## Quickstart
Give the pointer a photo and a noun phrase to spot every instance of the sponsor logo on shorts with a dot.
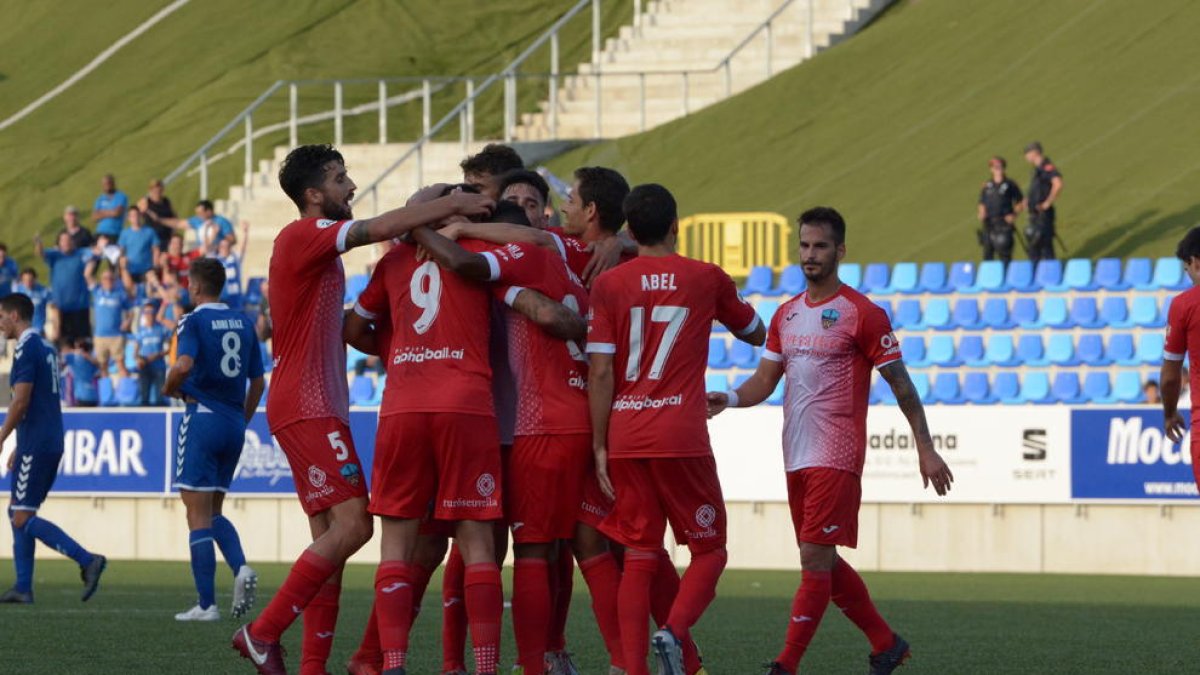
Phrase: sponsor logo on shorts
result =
(593, 509)
(316, 477)
(469, 503)
(486, 485)
(646, 403)
(706, 515)
(351, 473)
(423, 354)
(323, 492)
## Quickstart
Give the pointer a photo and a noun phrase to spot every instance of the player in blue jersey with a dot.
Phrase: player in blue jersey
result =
(36, 415)
(217, 352)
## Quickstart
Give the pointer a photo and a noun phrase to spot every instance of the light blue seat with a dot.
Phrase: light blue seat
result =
(962, 276)
(1114, 311)
(1143, 313)
(108, 395)
(739, 380)
(377, 399)
(254, 294)
(718, 353)
(1049, 275)
(766, 310)
(1035, 388)
(1006, 387)
(1090, 350)
(355, 285)
(937, 314)
(743, 355)
(946, 389)
(268, 360)
(1025, 312)
(966, 314)
(912, 347)
(1066, 388)
(995, 314)
(362, 389)
(876, 278)
(970, 350)
(130, 357)
(921, 384)
(1000, 350)
(1120, 349)
(1078, 275)
(760, 281)
(990, 278)
(1084, 312)
(1150, 349)
(882, 393)
(1128, 387)
(1030, 350)
(1139, 274)
(850, 274)
(1060, 351)
(776, 397)
(904, 278)
(1108, 276)
(933, 278)
(942, 352)
(1097, 388)
(886, 306)
(1019, 277)
(717, 382)
(1168, 274)
(908, 314)
(975, 388)
(1054, 313)
(127, 392)
(792, 280)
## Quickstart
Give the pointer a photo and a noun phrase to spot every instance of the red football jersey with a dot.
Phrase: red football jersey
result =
(307, 288)
(1183, 338)
(576, 252)
(655, 315)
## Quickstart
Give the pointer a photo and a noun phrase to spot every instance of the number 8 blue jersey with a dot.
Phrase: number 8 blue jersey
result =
(225, 353)
(35, 362)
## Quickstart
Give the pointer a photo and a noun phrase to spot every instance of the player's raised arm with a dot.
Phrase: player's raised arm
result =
(400, 221)
(933, 467)
(450, 255)
(553, 317)
(502, 233)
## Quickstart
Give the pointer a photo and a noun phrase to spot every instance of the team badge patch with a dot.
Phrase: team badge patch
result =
(316, 476)
(829, 317)
(351, 473)
(705, 516)
(486, 485)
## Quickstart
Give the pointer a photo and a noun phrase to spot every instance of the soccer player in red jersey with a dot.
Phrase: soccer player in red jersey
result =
(648, 341)
(826, 340)
(307, 408)
(1183, 338)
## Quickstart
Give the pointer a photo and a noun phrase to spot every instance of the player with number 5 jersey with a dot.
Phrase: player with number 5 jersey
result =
(648, 344)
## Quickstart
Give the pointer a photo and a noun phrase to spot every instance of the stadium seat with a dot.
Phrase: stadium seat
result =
(941, 351)
(108, 396)
(850, 274)
(1060, 350)
(760, 281)
(1066, 388)
(881, 392)
(355, 285)
(912, 347)
(1120, 349)
(1025, 312)
(127, 392)
(1030, 351)
(1006, 388)
(377, 398)
(362, 390)
(716, 382)
(766, 310)
(990, 278)
(966, 314)
(130, 357)
(921, 384)
(792, 280)
(1000, 350)
(946, 389)
(1054, 313)
(268, 360)
(886, 306)
(353, 357)
(962, 277)
(975, 388)
(1143, 313)
(937, 314)
(1078, 275)
(970, 350)
(904, 278)
(1097, 388)
(1150, 349)
(1048, 275)
(1035, 388)
(1128, 387)
(743, 355)
(1168, 274)
(739, 380)
(995, 314)
(776, 397)
(1108, 275)
(1115, 312)
(1139, 274)
(1084, 312)
(933, 278)
(1019, 277)
(908, 315)
(718, 353)
(254, 294)
(1090, 350)
(875, 279)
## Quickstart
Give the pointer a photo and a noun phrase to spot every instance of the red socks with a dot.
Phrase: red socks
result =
(664, 590)
(485, 606)
(369, 650)
(454, 614)
(420, 585)
(394, 586)
(697, 589)
(851, 596)
(564, 574)
(603, 580)
(633, 608)
(807, 609)
(320, 620)
(303, 583)
(531, 608)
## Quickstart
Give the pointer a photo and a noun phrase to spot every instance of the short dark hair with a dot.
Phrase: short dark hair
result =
(206, 276)
(304, 168)
(19, 303)
(205, 204)
(508, 212)
(823, 215)
(607, 189)
(495, 159)
(29, 270)
(4, 247)
(650, 210)
(462, 187)
(998, 158)
(526, 177)
(1189, 246)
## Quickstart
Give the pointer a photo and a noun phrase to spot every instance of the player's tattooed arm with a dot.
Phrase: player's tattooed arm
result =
(453, 257)
(553, 317)
(397, 222)
(933, 467)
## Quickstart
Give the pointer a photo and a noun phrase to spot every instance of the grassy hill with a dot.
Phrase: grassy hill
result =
(895, 127)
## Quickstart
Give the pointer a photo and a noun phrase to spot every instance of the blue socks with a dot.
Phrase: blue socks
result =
(204, 566)
(23, 546)
(55, 538)
(227, 539)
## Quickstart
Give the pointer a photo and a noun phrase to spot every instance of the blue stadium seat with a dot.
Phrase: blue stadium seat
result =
(875, 279)
(1120, 349)
(904, 278)
(766, 310)
(1054, 313)
(127, 392)
(1025, 312)
(1128, 387)
(1006, 387)
(718, 353)
(1143, 313)
(743, 355)
(739, 380)
(990, 278)
(1060, 351)
(908, 315)
(850, 274)
(966, 314)
(881, 392)
(355, 285)
(1168, 274)
(792, 281)
(1139, 274)
(1000, 350)
(1084, 312)
(970, 350)
(1108, 276)
(1166, 308)
(912, 347)
(1030, 350)
(995, 314)
(130, 356)
(254, 294)
(760, 281)
(937, 314)
(268, 360)
(1150, 349)
(886, 306)
(946, 389)
(975, 388)
(942, 352)
(921, 384)
(108, 396)
(1066, 388)
(1115, 312)
(353, 357)
(1090, 350)
(377, 398)
(1048, 275)
(716, 382)
(776, 397)
(362, 390)
(962, 276)
(1097, 388)
(1035, 388)
(1019, 277)
(1078, 275)
(933, 278)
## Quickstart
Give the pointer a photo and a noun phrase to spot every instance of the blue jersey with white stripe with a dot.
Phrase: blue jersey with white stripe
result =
(225, 354)
(35, 362)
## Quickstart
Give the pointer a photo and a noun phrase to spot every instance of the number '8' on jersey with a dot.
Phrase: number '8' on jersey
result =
(225, 354)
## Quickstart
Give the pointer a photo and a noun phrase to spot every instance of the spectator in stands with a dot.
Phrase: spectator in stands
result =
(68, 285)
(176, 259)
(85, 374)
(79, 234)
(262, 324)
(483, 171)
(209, 228)
(39, 294)
(1150, 391)
(139, 246)
(1000, 201)
(159, 213)
(232, 261)
(151, 344)
(529, 191)
(9, 272)
(171, 299)
(109, 210)
(110, 302)
(106, 250)
(1044, 188)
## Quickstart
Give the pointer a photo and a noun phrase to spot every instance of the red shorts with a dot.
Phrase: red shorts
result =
(595, 506)
(325, 467)
(651, 492)
(444, 466)
(824, 506)
(543, 480)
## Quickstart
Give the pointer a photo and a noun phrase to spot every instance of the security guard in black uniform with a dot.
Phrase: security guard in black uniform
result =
(1000, 201)
(1044, 188)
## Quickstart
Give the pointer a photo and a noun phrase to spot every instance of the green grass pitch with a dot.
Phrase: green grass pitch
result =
(957, 623)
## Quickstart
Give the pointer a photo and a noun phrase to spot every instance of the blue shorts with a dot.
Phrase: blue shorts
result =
(207, 449)
(32, 477)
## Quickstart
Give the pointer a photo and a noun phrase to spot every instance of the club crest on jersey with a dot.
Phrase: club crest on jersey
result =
(486, 485)
(316, 477)
(351, 473)
(829, 317)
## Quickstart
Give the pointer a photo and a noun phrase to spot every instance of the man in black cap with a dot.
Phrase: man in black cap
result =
(1044, 188)
(999, 202)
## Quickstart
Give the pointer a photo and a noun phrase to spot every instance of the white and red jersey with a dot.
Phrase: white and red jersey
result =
(828, 350)
(308, 285)
(654, 314)
(1183, 338)
(576, 251)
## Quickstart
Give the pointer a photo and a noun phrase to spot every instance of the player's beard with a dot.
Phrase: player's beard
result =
(335, 210)
(823, 271)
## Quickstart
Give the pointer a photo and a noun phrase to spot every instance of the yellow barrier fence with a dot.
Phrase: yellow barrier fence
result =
(738, 242)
